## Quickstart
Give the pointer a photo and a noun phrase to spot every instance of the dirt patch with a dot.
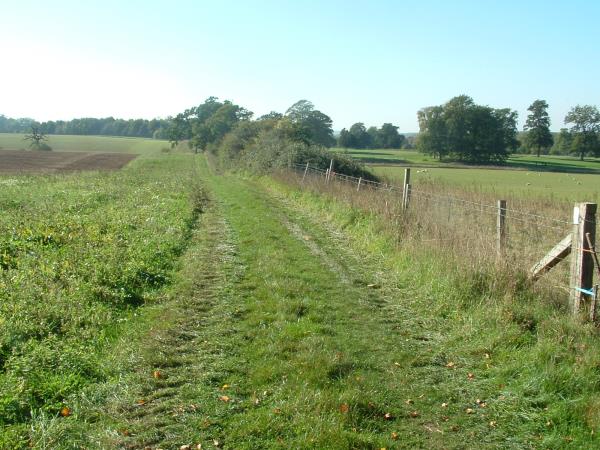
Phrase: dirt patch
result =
(12, 161)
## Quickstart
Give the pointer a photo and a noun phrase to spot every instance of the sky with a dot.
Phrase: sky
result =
(373, 62)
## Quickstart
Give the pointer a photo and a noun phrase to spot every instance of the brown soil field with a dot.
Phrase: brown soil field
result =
(49, 162)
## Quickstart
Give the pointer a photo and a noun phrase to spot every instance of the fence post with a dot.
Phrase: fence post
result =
(305, 171)
(358, 187)
(582, 263)
(329, 170)
(406, 197)
(501, 228)
(406, 189)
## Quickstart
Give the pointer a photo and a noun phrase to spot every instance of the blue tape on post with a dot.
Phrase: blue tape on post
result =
(585, 291)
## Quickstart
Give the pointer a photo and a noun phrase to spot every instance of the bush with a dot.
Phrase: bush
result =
(262, 148)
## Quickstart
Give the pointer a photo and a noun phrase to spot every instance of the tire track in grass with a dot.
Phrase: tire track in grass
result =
(165, 413)
(164, 402)
(278, 341)
(318, 357)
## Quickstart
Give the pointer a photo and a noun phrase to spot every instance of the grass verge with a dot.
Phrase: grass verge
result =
(79, 254)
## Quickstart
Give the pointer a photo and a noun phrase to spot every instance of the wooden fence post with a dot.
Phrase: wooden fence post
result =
(501, 228)
(406, 189)
(329, 170)
(406, 197)
(582, 263)
(305, 171)
(358, 187)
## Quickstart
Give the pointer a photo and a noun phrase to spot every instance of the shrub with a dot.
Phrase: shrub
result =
(262, 148)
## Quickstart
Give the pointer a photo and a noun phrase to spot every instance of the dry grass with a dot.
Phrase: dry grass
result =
(460, 226)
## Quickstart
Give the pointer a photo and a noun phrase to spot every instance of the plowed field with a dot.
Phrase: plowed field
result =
(32, 161)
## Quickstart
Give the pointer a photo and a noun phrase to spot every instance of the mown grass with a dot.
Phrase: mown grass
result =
(67, 143)
(79, 254)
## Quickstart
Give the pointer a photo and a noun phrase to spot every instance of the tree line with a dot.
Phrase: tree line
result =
(458, 130)
(109, 126)
(229, 132)
(358, 136)
(464, 131)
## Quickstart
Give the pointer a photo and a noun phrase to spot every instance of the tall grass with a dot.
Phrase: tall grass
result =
(459, 226)
(79, 253)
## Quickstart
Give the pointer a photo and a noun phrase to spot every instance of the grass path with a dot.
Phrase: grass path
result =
(278, 336)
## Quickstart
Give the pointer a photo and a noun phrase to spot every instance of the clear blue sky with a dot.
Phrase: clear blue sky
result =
(375, 62)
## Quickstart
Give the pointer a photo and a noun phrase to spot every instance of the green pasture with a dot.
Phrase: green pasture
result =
(553, 163)
(504, 183)
(60, 143)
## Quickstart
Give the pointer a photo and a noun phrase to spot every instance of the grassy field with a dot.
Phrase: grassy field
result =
(170, 304)
(79, 254)
(569, 187)
(526, 162)
(524, 176)
(9, 141)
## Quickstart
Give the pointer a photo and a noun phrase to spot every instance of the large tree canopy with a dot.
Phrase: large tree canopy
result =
(207, 123)
(309, 124)
(585, 130)
(467, 132)
(538, 137)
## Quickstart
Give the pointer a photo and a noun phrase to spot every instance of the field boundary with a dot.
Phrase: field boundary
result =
(579, 241)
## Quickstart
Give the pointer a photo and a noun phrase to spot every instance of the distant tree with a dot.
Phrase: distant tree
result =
(466, 131)
(374, 137)
(309, 124)
(344, 139)
(359, 136)
(433, 136)
(563, 142)
(585, 129)
(389, 137)
(37, 139)
(180, 128)
(538, 137)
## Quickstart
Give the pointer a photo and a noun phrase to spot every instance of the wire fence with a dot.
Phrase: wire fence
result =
(465, 224)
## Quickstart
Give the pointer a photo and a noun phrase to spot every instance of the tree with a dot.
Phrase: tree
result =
(537, 126)
(585, 129)
(309, 124)
(344, 139)
(389, 137)
(563, 143)
(432, 139)
(273, 115)
(467, 132)
(374, 137)
(359, 137)
(37, 138)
